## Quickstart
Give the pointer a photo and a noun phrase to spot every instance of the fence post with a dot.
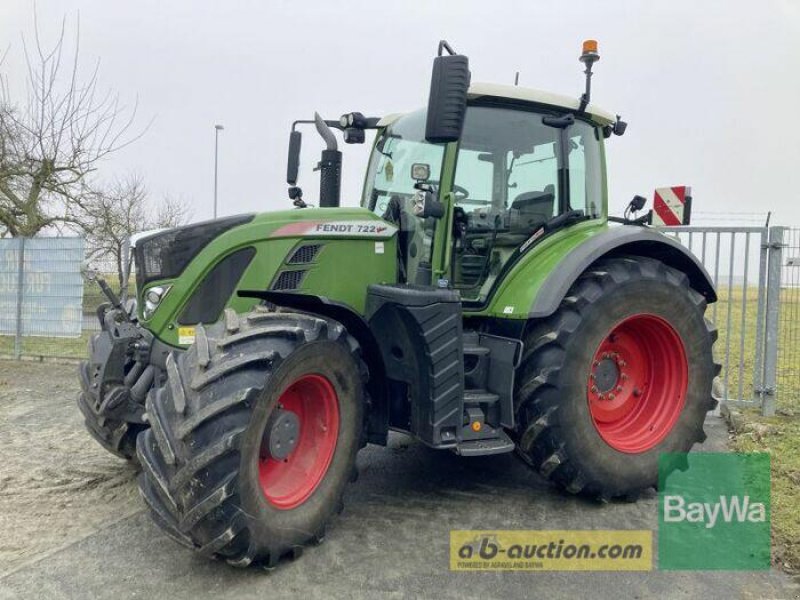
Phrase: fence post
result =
(758, 367)
(769, 389)
(20, 298)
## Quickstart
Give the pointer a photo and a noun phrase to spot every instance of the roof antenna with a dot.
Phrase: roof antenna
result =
(588, 56)
(516, 78)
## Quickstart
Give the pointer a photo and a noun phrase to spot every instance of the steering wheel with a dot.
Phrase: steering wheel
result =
(461, 193)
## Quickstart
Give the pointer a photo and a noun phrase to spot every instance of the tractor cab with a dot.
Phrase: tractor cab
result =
(476, 179)
(521, 162)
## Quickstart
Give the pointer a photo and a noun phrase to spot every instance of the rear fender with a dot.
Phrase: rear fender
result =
(616, 241)
(537, 284)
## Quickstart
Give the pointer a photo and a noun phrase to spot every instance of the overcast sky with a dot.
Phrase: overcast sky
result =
(709, 88)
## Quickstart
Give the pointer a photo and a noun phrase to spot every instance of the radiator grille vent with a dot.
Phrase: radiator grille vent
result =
(289, 280)
(304, 254)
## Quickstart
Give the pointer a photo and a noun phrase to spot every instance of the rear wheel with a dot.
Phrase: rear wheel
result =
(621, 373)
(255, 435)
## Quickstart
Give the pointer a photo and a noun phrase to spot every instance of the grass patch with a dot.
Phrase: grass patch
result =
(47, 347)
(93, 296)
(780, 437)
(736, 315)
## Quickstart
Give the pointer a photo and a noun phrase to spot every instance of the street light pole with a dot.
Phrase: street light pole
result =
(217, 129)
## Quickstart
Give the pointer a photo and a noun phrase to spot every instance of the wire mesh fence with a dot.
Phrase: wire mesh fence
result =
(736, 260)
(47, 309)
(756, 314)
(789, 322)
(41, 295)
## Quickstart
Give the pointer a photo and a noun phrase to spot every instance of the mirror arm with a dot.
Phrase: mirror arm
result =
(443, 45)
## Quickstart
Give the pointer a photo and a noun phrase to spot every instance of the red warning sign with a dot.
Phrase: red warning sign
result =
(672, 205)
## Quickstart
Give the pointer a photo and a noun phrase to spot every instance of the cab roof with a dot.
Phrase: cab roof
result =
(513, 92)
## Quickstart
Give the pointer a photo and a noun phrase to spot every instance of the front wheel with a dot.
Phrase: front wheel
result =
(255, 435)
(621, 373)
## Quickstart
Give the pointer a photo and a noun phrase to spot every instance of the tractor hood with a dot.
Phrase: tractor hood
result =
(165, 253)
(196, 270)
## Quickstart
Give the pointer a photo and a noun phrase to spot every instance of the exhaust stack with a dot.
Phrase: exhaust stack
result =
(330, 166)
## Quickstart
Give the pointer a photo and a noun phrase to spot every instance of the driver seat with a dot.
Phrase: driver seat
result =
(528, 211)
(531, 209)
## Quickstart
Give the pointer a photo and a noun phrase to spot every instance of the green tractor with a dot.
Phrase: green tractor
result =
(480, 300)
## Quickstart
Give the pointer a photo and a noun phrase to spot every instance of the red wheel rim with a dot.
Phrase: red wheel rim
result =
(637, 384)
(290, 481)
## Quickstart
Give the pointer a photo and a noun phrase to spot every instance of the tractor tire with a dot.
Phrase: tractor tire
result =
(254, 437)
(619, 374)
(118, 437)
(115, 435)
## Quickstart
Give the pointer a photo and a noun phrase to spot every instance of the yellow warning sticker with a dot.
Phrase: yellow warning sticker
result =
(186, 335)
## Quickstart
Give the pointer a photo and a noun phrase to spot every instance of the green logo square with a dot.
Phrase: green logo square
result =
(714, 511)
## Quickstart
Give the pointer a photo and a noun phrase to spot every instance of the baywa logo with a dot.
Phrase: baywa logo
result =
(714, 511)
(729, 508)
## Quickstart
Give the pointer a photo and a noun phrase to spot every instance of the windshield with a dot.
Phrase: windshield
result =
(389, 190)
(401, 145)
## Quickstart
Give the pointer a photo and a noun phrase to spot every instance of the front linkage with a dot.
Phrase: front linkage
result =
(125, 362)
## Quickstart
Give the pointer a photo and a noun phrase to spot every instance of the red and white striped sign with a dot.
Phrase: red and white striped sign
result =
(672, 205)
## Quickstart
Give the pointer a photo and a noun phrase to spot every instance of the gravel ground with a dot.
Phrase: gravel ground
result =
(73, 526)
(57, 485)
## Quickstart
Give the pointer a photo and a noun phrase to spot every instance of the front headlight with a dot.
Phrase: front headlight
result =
(153, 298)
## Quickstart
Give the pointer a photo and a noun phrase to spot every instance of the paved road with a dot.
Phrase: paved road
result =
(390, 542)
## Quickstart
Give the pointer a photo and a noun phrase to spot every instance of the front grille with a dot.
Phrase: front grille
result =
(166, 255)
(304, 254)
(289, 280)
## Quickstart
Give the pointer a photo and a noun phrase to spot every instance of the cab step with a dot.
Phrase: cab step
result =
(497, 445)
(475, 397)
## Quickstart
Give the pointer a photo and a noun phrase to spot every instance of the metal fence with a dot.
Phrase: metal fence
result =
(47, 310)
(747, 266)
(789, 322)
(41, 294)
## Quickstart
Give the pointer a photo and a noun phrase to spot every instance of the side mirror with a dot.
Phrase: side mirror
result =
(447, 102)
(426, 205)
(620, 126)
(617, 128)
(294, 157)
(354, 136)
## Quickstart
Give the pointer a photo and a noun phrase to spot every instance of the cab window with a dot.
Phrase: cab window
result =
(585, 174)
(514, 174)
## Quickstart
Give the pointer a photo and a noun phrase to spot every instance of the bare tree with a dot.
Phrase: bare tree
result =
(171, 212)
(54, 139)
(112, 215)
